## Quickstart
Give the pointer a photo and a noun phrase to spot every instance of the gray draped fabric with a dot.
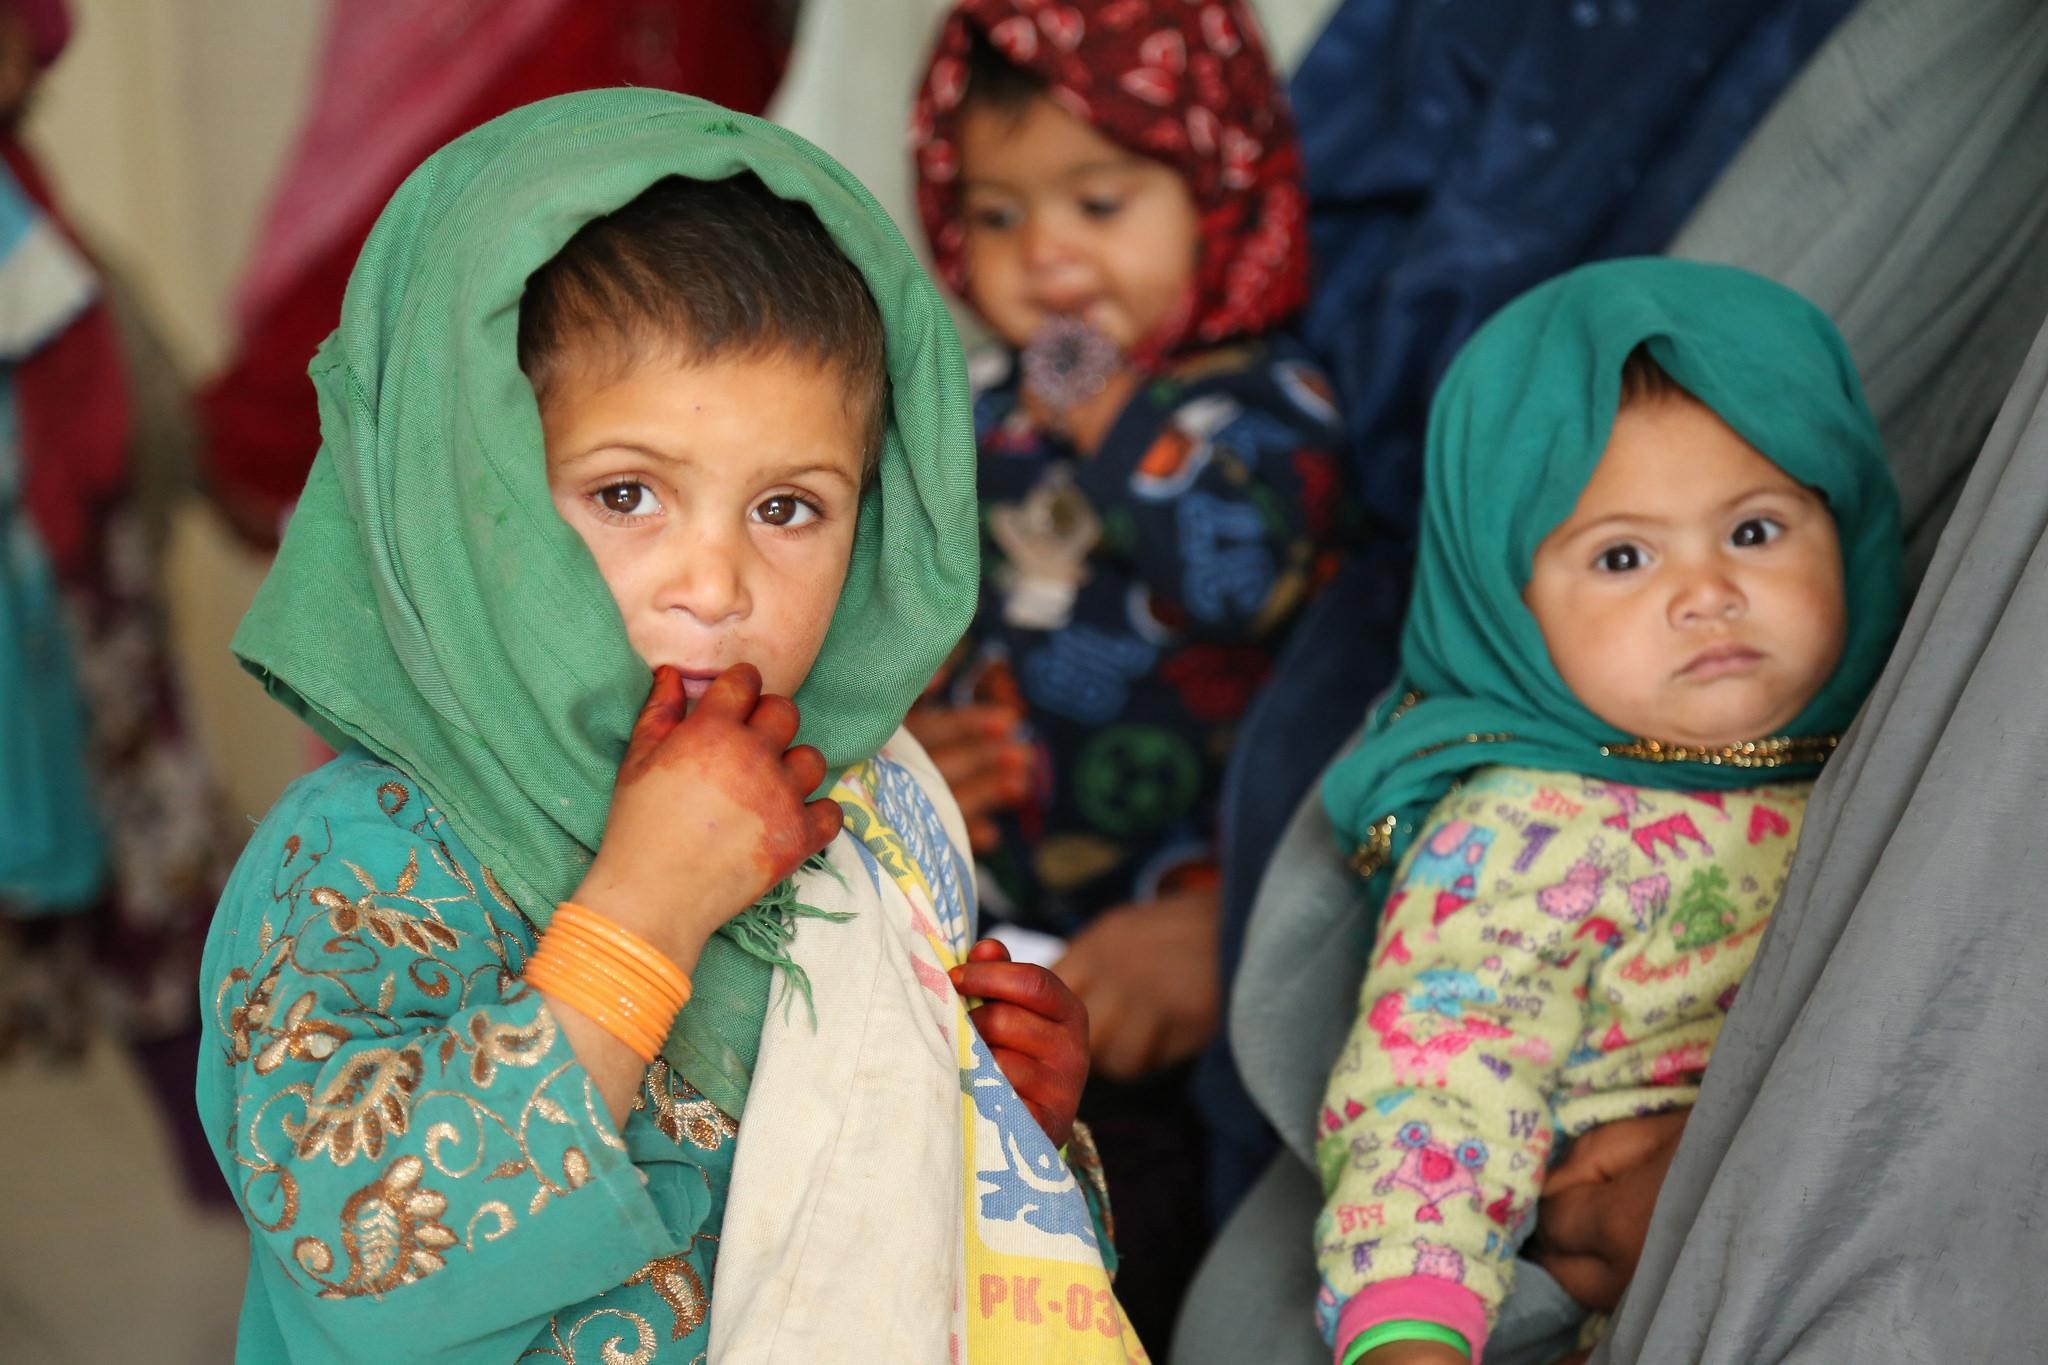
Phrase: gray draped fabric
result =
(1305, 956)
(1866, 1175)
(1901, 183)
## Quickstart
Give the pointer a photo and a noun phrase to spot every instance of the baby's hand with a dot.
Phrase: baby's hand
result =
(709, 812)
(1035, 1027)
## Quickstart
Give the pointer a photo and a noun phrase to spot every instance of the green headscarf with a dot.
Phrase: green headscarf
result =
(1515, 430)
(430, 604)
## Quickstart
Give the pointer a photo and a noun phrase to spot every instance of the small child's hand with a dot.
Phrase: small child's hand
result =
(709, 811)
(1035, 1027)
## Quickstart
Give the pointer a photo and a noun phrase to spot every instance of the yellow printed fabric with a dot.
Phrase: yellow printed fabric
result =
(894, 1199)
(1556, 952)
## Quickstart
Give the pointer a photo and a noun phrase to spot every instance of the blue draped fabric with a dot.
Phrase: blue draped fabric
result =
(1459, 152)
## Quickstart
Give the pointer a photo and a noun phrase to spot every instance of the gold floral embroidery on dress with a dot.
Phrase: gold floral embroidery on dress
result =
(680, 1287)
(562, 1346)
(681, 1112)
(368, 1102)
(337, 991)
(391, 1233)
(673, 1278)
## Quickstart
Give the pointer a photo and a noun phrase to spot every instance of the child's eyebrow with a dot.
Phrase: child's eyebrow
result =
(788, 473)
(1616, 520)
(791, 473)
(597, 448)
(1782, 489)
(1101, 166)
(1088, 168)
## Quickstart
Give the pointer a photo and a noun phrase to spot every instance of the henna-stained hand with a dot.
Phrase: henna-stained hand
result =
(1035, 1027)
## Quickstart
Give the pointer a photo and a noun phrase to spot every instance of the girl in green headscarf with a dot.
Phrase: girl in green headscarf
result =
(623, 379)
(1659, 571)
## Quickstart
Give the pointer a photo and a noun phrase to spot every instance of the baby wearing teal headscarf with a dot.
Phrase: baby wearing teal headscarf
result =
(1658, 574)
(625, 379)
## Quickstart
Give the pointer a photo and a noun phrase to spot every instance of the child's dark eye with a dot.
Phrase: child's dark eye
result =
(1100, 207)
(629, 499)
(785, 510)
(1619, 559)
(991, 218)
(1756, 531)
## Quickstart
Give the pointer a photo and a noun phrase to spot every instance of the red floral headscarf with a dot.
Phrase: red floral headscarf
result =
(1186, 82)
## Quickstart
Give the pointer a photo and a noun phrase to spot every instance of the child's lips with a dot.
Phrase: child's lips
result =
(1090, 309)
(697, 681)
(1721, 661)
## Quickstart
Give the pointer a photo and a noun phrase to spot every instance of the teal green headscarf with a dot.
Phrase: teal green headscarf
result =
(1514, 433)
(429, 603)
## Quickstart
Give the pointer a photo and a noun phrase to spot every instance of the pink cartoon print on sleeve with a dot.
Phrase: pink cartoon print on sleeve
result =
(1439, 1262)
(1421, 1031)
(1435, 1171)
(1572, 899)
(1448, 862)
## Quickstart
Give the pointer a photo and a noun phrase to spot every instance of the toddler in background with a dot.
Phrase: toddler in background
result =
(1114, 186)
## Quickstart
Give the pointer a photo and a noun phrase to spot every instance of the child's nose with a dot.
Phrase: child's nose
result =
(707, 581)
(1046, 245)
(1707, 594)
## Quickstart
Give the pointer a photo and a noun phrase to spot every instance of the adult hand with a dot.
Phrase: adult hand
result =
(1149, 977)
(1036, 1029)
(1596, 1205)
(977, 751)
(709, 811)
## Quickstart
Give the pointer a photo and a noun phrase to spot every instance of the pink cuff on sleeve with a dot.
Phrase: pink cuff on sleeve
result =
(1423, 1298)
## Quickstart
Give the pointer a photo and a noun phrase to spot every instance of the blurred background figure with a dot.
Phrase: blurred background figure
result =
(116, 842)
(120, 853)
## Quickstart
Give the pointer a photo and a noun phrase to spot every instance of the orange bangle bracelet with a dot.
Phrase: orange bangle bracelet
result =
(622, 975)
(630, 988)
(575, 936)
(655, 1016)
(646, 1018)
(620, 1013)
(590, 999)
(607, 938)
(588, 924)
(635, 1038)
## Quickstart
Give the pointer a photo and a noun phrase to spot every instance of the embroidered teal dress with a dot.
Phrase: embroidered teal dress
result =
(394, 1106)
